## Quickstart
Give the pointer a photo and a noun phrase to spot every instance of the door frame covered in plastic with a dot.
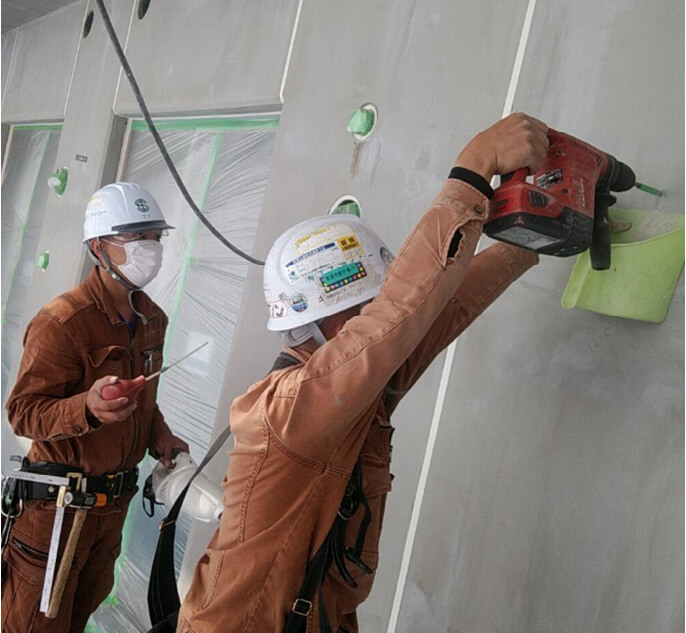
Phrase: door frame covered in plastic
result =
(28, 162)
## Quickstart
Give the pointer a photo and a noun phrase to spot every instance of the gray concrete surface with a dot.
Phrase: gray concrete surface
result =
(208, 56)
(554, 495)
(37, 68)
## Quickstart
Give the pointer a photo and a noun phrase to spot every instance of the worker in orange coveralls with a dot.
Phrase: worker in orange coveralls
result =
(103, 329)
(297, 546)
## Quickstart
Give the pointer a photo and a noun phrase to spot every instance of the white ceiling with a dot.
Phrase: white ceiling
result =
(18, 12)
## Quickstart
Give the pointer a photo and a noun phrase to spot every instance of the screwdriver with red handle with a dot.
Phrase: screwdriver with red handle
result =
(131, 388)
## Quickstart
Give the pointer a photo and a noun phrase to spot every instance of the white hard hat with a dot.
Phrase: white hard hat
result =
(320, 267)
(122, 207)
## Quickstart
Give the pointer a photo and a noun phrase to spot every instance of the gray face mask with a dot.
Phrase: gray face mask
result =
(143, 261)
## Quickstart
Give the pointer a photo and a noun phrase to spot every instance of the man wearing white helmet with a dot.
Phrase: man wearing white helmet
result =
(297, 545)
(102, 330)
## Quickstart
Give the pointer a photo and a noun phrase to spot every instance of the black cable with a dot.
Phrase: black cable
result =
(158, 139)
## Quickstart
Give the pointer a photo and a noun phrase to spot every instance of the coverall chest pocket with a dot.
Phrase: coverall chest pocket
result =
(152, 362)
(111, 360)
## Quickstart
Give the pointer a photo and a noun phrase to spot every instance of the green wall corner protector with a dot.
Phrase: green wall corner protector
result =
(646, 264)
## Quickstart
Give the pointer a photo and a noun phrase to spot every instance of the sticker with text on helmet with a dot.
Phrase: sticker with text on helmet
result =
(322, 266)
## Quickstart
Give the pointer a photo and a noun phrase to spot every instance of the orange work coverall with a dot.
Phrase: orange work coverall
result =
(299, 431)
(73, 341)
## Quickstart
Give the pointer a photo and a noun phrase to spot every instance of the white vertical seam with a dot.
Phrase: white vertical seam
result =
(73, 66)
(445, 375)
(519, 57)
(290, 51)
(121, 73)
(421, 486)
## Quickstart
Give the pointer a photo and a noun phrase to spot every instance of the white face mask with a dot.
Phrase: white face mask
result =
(143, 261)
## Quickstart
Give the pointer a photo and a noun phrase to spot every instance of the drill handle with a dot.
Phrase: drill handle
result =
(520, 175)
(601, 242)
(618, 177)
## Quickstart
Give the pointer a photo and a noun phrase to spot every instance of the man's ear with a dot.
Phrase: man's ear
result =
(96, 249)
(94, 245)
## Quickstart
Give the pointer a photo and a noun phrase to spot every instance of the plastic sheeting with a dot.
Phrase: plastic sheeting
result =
(30, 161)
(200, 286)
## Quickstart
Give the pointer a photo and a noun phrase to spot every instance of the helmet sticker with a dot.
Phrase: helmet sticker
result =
(349, 243)
(278, 310)
(321, 266)
(324, 251)
(386, 256)
(303, 265)
(342, 276)
(326, 235)
(299, 302)
(142, 205)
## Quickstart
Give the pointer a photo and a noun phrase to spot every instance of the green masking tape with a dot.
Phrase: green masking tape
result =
(175, 125)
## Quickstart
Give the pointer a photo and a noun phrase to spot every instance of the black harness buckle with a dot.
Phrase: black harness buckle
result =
(302, 607)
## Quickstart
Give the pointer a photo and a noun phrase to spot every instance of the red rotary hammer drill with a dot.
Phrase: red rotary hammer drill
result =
(565, 210)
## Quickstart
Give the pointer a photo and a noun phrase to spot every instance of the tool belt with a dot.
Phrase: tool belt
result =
(56, 482)
(111, 485)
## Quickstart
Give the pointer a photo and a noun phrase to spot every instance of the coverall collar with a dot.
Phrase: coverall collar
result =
(299, 353)
(104, 303)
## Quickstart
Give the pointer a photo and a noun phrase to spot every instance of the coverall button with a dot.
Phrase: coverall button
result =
(78, 429)
(479, 209)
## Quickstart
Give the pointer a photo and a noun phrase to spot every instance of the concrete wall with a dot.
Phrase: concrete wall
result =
(539, 474)
(561, 492)
(37, 65)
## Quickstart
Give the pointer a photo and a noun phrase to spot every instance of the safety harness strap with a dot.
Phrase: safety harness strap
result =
(163, 595)
(302, 605)
(332, 550)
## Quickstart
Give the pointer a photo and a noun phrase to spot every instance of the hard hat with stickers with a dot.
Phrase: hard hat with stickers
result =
(320, 267)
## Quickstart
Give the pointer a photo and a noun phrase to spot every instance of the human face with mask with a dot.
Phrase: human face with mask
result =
(122, 227)
(137, 256)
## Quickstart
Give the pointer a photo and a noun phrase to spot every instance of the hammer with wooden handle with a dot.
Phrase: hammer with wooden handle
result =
(82, 501)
